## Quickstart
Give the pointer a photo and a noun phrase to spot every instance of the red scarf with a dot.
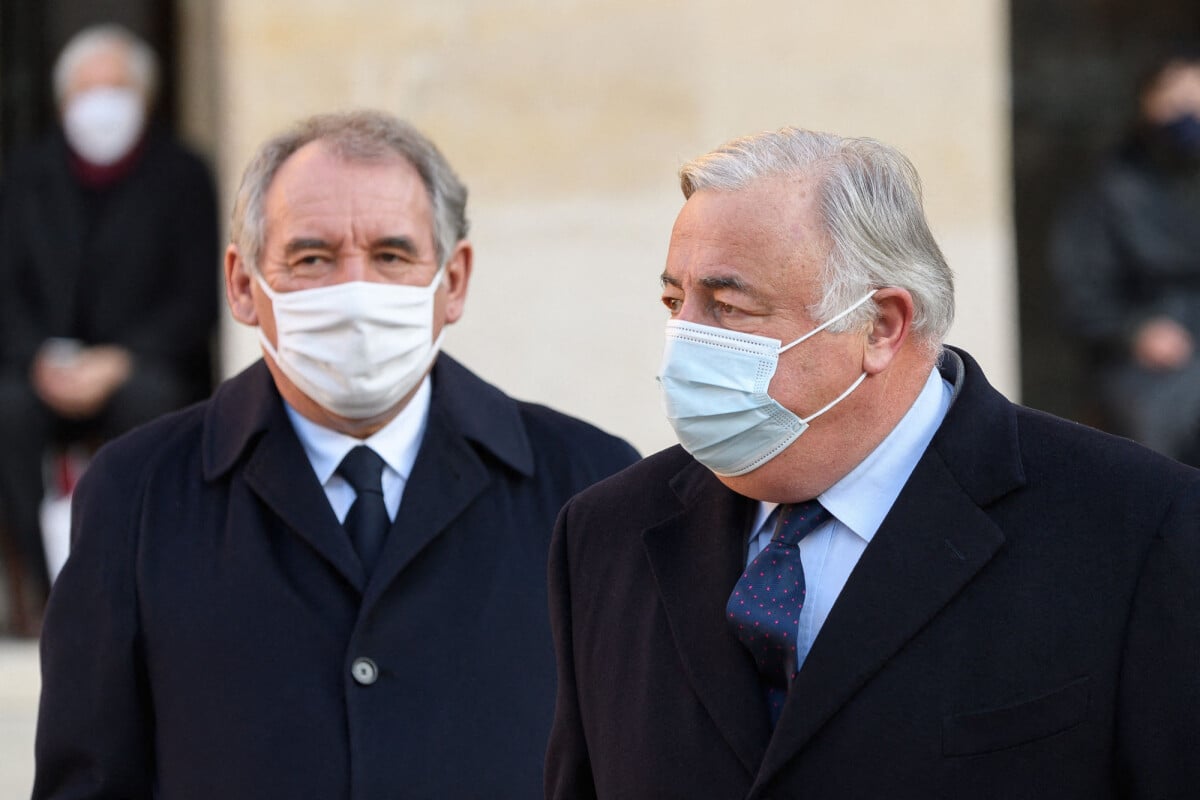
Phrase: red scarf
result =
(102, 176)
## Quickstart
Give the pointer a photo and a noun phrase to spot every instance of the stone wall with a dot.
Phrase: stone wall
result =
(569, 120)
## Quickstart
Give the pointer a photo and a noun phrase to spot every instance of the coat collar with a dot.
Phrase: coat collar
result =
(246, 425)
(482, 414)
(248, 405)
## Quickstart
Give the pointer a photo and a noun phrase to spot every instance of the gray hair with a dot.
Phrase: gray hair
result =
(143, 63)
(869, 196)
(356, 136)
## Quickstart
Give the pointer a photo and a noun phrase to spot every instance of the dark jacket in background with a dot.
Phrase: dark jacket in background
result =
(133, 263)
(1126, 249)
(136, 264)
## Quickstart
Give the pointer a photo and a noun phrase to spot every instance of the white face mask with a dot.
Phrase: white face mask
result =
(714, 383)
(102, 125)
(356, 348)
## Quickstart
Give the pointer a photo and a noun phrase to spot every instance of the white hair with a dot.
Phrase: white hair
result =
(143, 63)
(355, 136)
(869, 196)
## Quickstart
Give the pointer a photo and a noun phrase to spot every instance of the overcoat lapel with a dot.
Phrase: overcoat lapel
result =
(934, 540)
(447, 475)
(696, 558)
(471, 427)
(246, 421)
(924, 553)
(279, 472)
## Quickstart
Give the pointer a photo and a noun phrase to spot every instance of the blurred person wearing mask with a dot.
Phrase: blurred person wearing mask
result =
(1125, 252)
(329, 580)
(109, 263)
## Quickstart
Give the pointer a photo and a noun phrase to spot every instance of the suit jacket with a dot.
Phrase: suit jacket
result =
(204, 638)
(135, 264)
(1024, 624)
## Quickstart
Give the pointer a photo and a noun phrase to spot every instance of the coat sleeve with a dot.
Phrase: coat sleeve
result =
(95, 731)
(568, 767)
(1159, 702)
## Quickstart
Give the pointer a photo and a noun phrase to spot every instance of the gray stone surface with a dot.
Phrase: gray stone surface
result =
(19, 685)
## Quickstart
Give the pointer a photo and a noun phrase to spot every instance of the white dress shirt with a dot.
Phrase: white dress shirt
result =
(858, 503)
(396, 443)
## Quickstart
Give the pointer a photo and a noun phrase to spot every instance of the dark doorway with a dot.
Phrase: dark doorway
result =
(33, 31)
(1075, 64)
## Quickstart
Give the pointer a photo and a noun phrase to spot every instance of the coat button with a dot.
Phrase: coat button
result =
(364, 671)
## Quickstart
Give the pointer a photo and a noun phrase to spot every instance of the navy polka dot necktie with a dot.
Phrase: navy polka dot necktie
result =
(367, 521)
(764, 609)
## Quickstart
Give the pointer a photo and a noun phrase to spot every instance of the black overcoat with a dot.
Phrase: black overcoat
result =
(203, 638)
(1024, 624)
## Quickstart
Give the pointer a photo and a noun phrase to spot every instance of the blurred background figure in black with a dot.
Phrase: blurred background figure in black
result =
(109, 267)
(1126, 255)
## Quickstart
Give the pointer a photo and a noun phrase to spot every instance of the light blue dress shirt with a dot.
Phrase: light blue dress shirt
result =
(396, 443)
(858, 503)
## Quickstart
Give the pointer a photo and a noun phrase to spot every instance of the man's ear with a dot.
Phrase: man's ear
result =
(456, 279)
(889, 330)
(239, 287)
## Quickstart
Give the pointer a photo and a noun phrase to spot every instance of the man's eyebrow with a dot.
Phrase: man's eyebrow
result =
(297, 245)
(403, 243)
(726, 282)
(713, 282)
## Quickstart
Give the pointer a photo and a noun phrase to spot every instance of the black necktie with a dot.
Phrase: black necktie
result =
(367, 522)
(764, 609)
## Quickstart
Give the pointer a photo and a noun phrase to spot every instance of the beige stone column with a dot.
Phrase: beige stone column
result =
(568, 121)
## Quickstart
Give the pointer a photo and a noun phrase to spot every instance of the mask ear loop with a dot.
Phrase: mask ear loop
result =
(825, 325)
(438, 277)
(837, 400)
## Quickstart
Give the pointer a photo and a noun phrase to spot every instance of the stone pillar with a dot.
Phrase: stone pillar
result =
(569, 120)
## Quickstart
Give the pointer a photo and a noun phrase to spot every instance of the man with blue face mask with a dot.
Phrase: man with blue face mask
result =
(863, 573)
(328, 580)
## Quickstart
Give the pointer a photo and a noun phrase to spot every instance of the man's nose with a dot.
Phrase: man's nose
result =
(696, 310)
(354, 267)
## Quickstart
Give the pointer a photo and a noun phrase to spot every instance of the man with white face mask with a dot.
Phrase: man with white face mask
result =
(863, 573)
(327, 581)
(108, 252)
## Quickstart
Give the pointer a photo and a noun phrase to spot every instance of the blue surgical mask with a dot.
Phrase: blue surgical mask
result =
(714, 383)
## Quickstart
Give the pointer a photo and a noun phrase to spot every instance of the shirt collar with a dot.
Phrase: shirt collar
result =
(863, 497)
(396, 443)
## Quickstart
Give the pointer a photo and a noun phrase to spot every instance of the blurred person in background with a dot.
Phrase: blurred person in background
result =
(1126, 254)
(109, 267)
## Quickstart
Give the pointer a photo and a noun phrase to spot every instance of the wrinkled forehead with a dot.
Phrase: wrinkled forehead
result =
(318, 186)
(325, 166)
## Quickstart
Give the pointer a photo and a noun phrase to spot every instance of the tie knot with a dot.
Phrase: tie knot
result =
(797, 520)
(363, 469)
